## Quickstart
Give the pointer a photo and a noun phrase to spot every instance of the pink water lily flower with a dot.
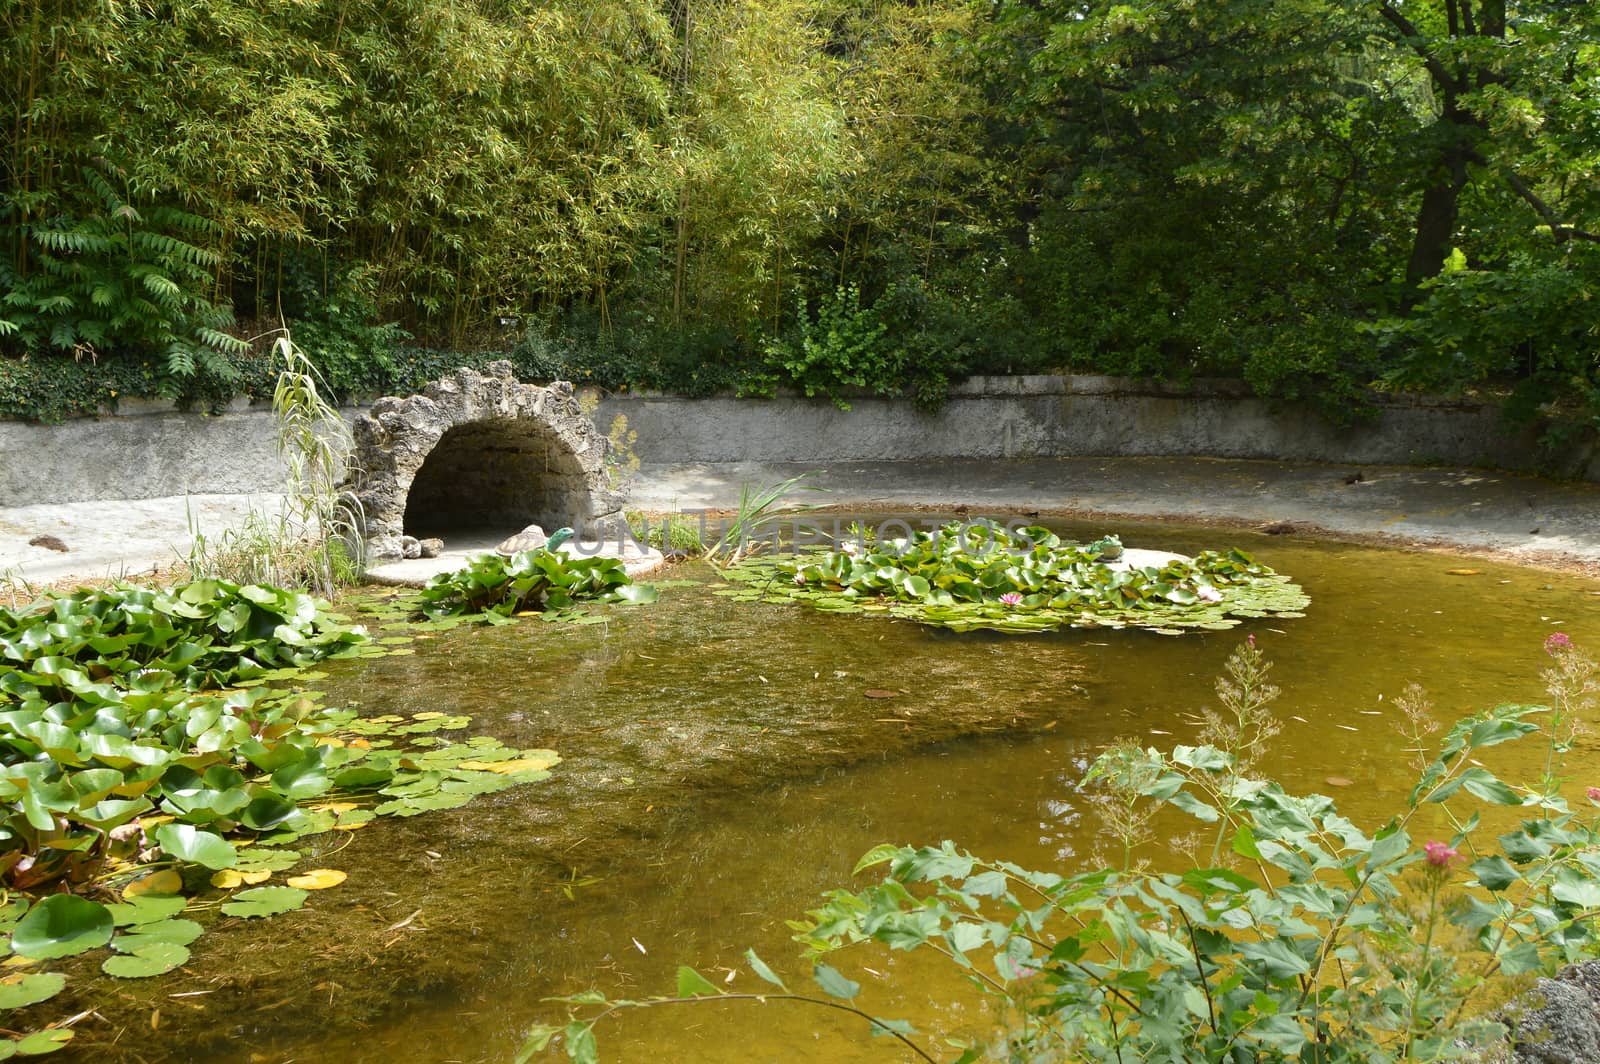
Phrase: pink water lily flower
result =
(800, 578)
(1208, 593)
(1011, 598)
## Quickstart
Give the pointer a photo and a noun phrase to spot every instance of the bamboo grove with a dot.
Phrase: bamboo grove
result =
(1318, 196)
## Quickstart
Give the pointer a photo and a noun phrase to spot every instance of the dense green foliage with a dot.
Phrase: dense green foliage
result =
(1296, 935)
(979, 576)
(1315, 195)
(497, 587)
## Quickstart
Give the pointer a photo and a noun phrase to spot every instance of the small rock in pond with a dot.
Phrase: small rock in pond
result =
(409, 547)
(48, 542)
(1339, 781)
(430, 547)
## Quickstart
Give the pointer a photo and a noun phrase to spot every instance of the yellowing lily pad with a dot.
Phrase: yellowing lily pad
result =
(536, 763)
(317, 879)
(229, 878)
(334, 807)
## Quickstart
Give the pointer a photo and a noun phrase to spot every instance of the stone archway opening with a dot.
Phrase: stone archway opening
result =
(496, 477)
(476, 454)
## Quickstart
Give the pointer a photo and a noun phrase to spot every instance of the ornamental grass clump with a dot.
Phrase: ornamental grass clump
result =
(1297, 935)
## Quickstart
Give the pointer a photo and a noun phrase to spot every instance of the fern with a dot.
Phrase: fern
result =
(117, 276)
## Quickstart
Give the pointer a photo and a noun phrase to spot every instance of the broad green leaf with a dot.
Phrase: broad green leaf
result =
(60, 926)
(176, 932)
(153, 958)
(759, 966)
(29, 988)
(692, 984)
(580, 1044)
(40, 1043)
(189, 843)
(833, 984)
(265, 901)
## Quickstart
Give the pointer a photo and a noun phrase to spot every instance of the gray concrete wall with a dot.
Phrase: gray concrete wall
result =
(148, 450)
(1043, 417)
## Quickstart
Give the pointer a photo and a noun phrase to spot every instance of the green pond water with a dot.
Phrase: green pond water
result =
(724, 767)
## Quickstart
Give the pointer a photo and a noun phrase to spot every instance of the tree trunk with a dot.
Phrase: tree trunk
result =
(1436, 220)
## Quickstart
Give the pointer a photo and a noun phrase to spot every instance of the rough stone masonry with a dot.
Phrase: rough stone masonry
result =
(477, 451)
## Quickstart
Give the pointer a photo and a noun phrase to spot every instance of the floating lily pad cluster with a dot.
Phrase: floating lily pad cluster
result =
(497, 587)
(142, 756)
(967, 577)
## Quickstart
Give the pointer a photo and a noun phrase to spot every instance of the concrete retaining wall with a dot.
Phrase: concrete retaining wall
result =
(146, 451)
(1043, 417)
(149, 450)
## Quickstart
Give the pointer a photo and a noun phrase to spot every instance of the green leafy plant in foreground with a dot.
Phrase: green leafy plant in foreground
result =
(143, 756)
(1300, 936)
(497, 587)
(973, 576)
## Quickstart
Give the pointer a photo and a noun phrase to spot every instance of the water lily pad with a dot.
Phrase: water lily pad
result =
(317, 879)
(534, 761)
(166, 881)
(147, 908)
(39, 1043)
(155, 958)
(177, 932)
(229, 878)
(189, 843)
(20, 991)
(424, 803)
(267, 859)
(265, 901)
(62, 925)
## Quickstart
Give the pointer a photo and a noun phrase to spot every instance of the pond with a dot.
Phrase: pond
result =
(723, 767)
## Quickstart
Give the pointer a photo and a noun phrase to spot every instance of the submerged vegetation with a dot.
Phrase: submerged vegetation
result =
(978, 576)
(1295, 935)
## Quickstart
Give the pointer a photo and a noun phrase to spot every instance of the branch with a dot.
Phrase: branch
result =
(1414, 38)
(877, 1024)
(1562, 231)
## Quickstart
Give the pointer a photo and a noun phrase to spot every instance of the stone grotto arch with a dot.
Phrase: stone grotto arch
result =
(478, 453)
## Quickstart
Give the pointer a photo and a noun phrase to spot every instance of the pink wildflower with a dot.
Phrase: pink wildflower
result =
(1251, 639)
(1438, 853)
(1557, 642)
(1593, 794)
(1011, 598)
